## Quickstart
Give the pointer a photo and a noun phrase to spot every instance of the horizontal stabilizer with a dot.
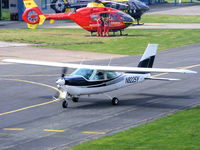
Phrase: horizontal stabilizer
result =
(42, 19)
(97, 67)
(32, 26)
(162, 79)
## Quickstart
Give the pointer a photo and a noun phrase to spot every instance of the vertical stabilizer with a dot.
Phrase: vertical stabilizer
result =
(29, 3)
(148, 57)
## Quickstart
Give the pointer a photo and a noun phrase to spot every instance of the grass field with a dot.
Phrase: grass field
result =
(180, 131)
(170, 19)
(78, 39)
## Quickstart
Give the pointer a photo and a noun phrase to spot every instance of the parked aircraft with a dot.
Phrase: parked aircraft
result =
(85, 17)
(134, 8)
(93, 79)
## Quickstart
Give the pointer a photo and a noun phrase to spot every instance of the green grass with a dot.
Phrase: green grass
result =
(180, 131)
(170, 19)
(78, 39)
(5, 14)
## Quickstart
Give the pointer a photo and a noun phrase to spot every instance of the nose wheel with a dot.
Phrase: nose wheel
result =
(65, 104)
(115, 101)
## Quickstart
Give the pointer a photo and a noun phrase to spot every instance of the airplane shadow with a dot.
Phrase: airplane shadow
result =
(137, 100)
(118, 35)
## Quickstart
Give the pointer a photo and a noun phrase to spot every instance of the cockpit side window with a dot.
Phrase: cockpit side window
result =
(86, 73)
(94, 17)
(111, 75)
(114, 17)
(99, 75)
(104, 75)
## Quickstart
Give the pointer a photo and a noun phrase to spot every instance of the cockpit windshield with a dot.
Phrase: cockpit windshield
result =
(86, 73)
(95, 75)
(125, 17)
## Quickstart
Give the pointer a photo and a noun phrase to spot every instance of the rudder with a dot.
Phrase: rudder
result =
(148, 57)
(29, 3)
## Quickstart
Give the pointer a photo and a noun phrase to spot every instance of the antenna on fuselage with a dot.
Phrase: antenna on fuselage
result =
(64, 71)
(110, 61)
(82, 61)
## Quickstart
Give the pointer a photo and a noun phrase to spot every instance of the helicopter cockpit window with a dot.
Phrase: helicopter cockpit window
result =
(125, 16)
(94, 17)
(114, 17)
(132, 5)
(124, 7)
(86, 73)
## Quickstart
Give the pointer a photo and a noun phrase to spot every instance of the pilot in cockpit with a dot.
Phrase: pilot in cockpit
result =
(99, 76)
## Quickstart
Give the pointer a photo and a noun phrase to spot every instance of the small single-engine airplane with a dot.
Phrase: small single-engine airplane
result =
(85, 17)
(93, 79)
(134, 8)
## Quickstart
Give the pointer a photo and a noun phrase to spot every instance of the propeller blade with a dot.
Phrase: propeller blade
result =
(64, 71)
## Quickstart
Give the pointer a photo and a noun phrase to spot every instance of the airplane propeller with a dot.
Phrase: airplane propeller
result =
(60, 82)
(64, 71)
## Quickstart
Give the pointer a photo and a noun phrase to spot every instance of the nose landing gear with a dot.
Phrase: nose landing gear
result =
(65, 104)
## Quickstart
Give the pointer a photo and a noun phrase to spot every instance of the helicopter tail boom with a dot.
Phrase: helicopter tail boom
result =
(34, 16)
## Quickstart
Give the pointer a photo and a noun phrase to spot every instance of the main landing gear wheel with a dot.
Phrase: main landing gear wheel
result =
(115, 101)
(65, 104)
(75, 99)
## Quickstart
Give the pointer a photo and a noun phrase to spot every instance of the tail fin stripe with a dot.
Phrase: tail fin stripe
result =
(29, 3)
(147, 63)
(148, 57)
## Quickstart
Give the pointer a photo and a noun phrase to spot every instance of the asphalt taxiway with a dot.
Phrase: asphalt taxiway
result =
(31, 119)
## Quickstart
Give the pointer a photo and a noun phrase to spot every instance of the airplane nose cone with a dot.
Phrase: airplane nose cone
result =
(60, 82)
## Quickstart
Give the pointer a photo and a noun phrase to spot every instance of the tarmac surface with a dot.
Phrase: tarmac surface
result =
(31, 119)
(28, 51)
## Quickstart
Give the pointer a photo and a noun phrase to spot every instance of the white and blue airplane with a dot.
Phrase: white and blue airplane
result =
(94, 79)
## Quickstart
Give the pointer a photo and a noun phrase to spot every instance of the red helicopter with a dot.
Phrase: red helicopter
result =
(85, 17)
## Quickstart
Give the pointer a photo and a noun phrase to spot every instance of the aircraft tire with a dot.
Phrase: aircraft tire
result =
(115, 101)
(75, 99)
(65, 104)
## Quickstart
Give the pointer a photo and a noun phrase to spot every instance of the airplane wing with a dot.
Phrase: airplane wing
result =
(162, 79)
(96, 67)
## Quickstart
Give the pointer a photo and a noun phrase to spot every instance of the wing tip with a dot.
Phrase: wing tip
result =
(190, 71)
